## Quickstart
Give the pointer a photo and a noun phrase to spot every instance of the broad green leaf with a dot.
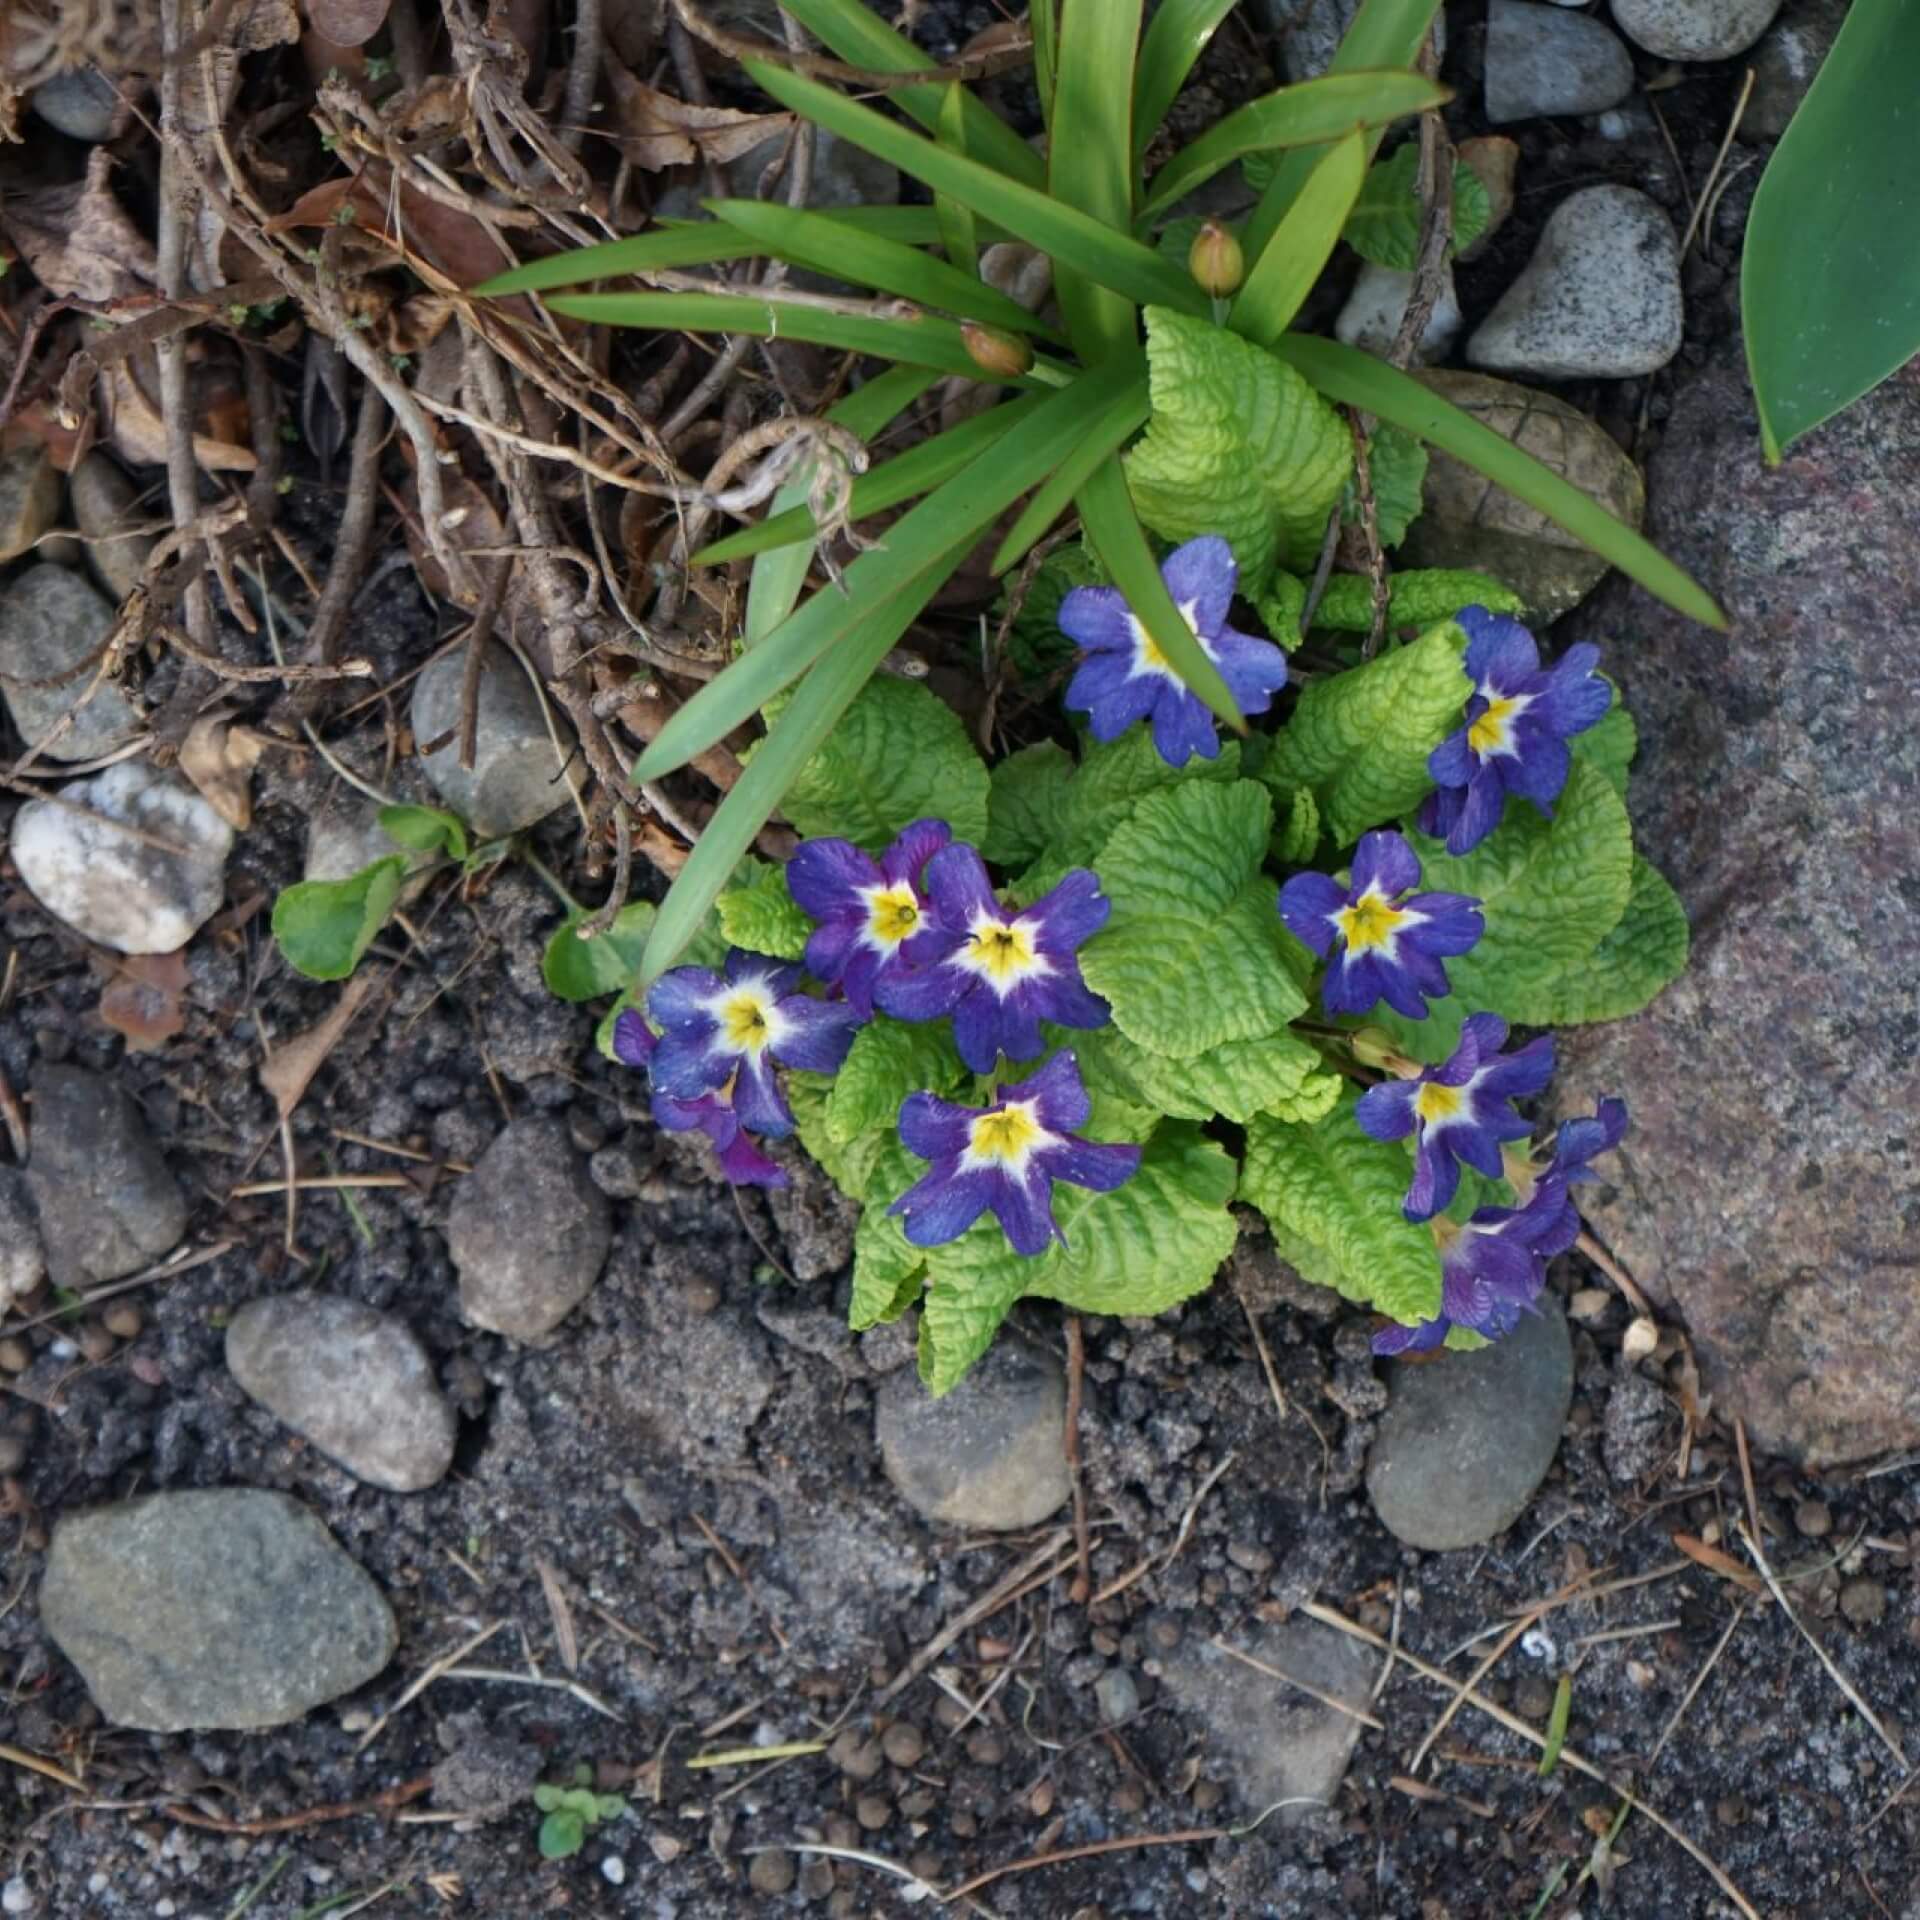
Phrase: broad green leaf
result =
(1023, 803)
(1297, 826)
(898, 755)
(1644, 953)
(759, 913)
(1360, 739)
(1610, 744)
(1829, 277)
(1420, 597)
(1176, 37)
(1397, 466)
(849, 1164)
(1384, 226)
(1114, 777)
(576, 969)
(1357, 379)
(324, 926)
(1103, 438)
(1331, 1187)
(1190, 956)
(426, 830)
(1235, 1080)
(1238, 444)
(1308, 115)
(889, 1060)
(1077, 241)
(888, 1269)
(1280, 603)
(1288, 269)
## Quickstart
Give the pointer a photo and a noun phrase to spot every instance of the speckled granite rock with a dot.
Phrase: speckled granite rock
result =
(1770, 1187)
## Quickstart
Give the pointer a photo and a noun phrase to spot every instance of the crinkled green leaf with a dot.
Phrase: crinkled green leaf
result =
(1238, 444)
(1329, 1187)
(888, 1060)
(1279, 1072)
(849, 1164)
(1035, 643)
(426, 830)
(1360, 739)
(576, 969)
(324, 926)
(1397, 466)
(1190, 957)
(1114, 777)
(1280, 603)
(1646, 952)
(887, 1267)
(1384, 226)
(1419, 597)
(759, 914)
(1610, 744)
(1296, 829)
(899, 754)
(1023, 805)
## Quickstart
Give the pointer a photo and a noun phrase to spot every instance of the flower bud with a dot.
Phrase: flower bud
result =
(1215, 260)
(1003, 355)
(1373, 1047)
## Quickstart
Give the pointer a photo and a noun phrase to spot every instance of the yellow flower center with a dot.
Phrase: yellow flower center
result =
(892, 914)
(1435, 1103)
(1006, 1136)
(1000, 951)
(1493, 731)
(744, 1020)
(1369, 922)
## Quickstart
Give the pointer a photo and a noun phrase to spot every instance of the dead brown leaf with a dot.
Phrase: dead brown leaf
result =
(660, 131)
(145, 1000)
(289, 1072)
(78, 239)
(139, 435)
(219, 758)
(413, 229)
(347, 23)
(1715, 1561)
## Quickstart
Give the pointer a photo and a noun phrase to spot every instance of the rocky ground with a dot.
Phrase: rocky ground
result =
(513, 1444)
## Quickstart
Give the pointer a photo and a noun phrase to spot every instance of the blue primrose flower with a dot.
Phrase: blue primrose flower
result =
(1458, 1112)
(1386, 942)
(1519, 720)
(729, 1033)
(712, 1114)
(1575, 1147)
(1127, 678)
(871, 914)
(1492, 1270)
(998, 971)
(1005, 1158)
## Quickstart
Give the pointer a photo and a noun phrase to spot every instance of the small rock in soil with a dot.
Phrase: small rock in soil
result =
(1694, 29)
(29, 498)
(1280, 1744)
(1785, 63)
(345, 836)
(485, 1772)
(1469, 522)
(150, 894)
(227, 1609)
(1117, 1694)
(990, 1454)
(771, 1872)
(1632, 1440)
(1814, 1518)
(355, 1381)
(1311, 31)
(80, 103)
(903, 1743)
(52, 622)
(1600, 299)
(1467, 1437)
(1378, 303)
(23, 1260)
(1543, 60)
(107, 1204)
(1864, 1602)
(1493, 160)
(106, 509)
(516, 775)
(528, 1232)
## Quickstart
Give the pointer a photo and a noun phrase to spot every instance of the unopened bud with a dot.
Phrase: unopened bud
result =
(1373, 1047)
(1004, 355)
(1215, 260)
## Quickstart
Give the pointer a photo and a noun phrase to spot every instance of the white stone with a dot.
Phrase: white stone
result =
(613, 1870)
(1694, 29)
(1371, 318)
(1599, 299)
(143, 891)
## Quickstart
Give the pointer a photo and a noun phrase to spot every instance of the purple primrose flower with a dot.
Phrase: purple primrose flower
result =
(871, 914)
(719, 1034)
(1386, 945)
(1458, 1112)
(1519, 720)
(1127, 678)
(712, 1113)
(999, 971)
(1006, 1158)
(1574, 1148)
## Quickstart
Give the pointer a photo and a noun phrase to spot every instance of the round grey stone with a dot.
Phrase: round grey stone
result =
(80, 103)
(23, 1260)
(1694, 29)
(516, 775)
(29, 499)
(1543, 60)
(1600, 299)
(230, 1609)
(1784, 65)
(528, 1231)
(1467, 1437)
(356, 1382)
(990, 1455)
(51, 622)
(106, 509)
(1378, 303)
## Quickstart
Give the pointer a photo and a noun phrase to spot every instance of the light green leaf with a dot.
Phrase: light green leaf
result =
(1280, 603)
(426, 830)
(1610, 744)
(1297, 831)
(1397, 466)
(1191, 955)
(1282, 274)
(1361, 739)
(1023, 805)
(1102, 439)
(759, 914)
(1420, 597)
(887, 1267)
(1645, 953)
(889, 1060)
(324, 926)
(1384, 226)
(576, 969)
(898, 755)
(849, 1164)
(1277, 1072)
(1331, 1187)
(1175, 38)
(1237, 445)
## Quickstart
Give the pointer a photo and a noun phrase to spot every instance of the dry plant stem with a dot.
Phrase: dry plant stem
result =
(1186, 1837)
(1076, 1381)
(1360, 427)
(1312, 1692)
(354, 669)
(1615, 1272)
(354, 542)
(478, 635)
(20, 1757)
(1707, 196)
(583, 74)
(1016, 51)
(383, 1802)
(1464, 1691)
(1699, 1680)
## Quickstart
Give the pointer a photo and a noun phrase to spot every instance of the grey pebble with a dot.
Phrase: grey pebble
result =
(1694, 29)
(1118, 1695)
(1546, 60)
(52, 622)
(1633, 1431)
(106, 509)
(516, 777)
(81, 103)
(23, 1258)
(29, 498)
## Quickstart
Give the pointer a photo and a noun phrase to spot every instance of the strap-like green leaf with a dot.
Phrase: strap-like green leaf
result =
(1074, 239)
(1176, 38)
(959, 231)
(1358, 380)
(1105, 436)
(1286, 272)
